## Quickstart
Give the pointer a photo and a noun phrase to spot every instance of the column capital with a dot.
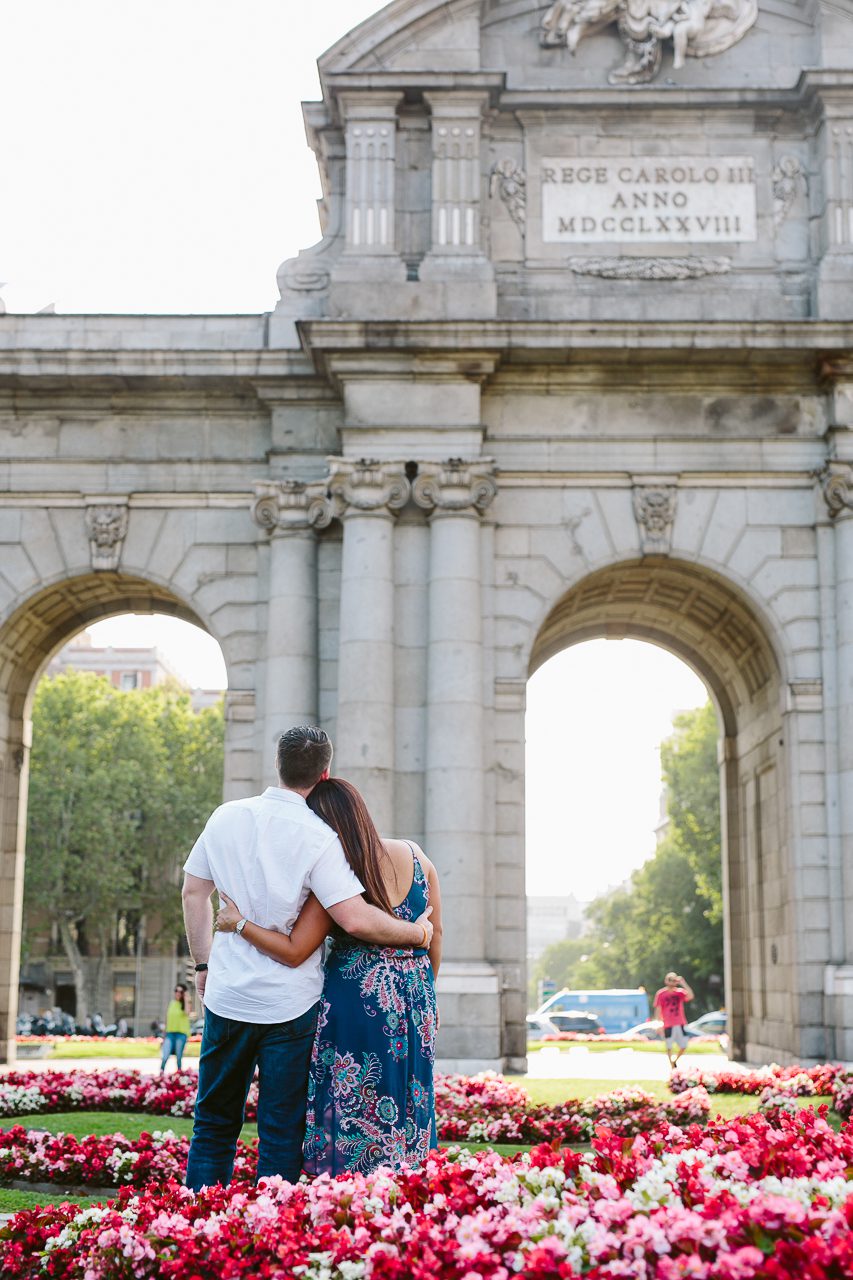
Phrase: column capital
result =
(291, 506)
(457, 486)
(365, 486)
(836, 482)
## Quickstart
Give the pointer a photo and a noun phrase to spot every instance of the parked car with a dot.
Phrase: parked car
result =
(539, 1027)
(710, 1024)
(616, 1008)
(645, 1031)
(576, 1020)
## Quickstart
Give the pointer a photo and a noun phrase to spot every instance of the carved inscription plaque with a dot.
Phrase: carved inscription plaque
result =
(650, 200)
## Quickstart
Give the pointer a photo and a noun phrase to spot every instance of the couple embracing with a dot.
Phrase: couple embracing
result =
(344, 1056)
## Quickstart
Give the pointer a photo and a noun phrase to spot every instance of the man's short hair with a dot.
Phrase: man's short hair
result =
(303, 756)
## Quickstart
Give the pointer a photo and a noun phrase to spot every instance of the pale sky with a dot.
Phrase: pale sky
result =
(153, 156)
(154, 160)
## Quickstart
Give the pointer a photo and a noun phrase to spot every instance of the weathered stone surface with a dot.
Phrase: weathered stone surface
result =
(473, 439)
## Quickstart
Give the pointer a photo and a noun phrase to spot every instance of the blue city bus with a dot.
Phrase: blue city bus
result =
(617, 1010)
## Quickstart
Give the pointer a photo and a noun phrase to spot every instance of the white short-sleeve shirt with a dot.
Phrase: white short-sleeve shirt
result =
(265, 854)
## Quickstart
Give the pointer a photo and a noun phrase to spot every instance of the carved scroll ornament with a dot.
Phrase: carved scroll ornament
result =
(697, 29)
(366, 485)
(836, 481)
(291, 505)
(456, 485)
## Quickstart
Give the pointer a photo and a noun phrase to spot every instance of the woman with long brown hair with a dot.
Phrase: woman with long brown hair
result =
(370, 1091)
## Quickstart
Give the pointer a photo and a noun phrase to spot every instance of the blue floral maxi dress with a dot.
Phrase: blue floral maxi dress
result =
(370, 1091)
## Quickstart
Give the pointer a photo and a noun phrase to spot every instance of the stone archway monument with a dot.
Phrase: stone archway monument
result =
(573, 358)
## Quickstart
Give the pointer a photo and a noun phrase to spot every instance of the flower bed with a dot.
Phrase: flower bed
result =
(62, 1159)
(142, 1041)
(44, 1092)
(754, 1199)
(483, 1108)
(796, 1081)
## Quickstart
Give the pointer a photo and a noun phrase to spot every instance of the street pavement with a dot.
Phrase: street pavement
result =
(577, 1063)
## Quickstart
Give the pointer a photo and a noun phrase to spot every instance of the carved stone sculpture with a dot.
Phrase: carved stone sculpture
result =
(654, 509)
(697, 28)
(788, 181)
(106, 526)
(510, 183)
(626, 267)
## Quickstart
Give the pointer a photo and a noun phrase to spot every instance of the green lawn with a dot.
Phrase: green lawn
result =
(111, 1049)
(595, 1046)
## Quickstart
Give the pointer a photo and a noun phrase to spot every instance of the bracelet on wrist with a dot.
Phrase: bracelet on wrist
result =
(201, 968)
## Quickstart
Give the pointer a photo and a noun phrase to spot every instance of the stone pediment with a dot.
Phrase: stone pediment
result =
(573, 43)
(410, 35)
(576, 158)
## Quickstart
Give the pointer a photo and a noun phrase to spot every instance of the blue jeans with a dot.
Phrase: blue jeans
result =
(173, 1043)
(230, 1051)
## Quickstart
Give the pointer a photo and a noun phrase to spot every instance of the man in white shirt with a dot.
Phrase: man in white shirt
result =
(267, 853)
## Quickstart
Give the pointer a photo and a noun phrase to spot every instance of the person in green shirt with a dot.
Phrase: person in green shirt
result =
(177, 1026)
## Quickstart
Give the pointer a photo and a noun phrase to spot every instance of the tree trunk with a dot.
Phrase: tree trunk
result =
(75, 961)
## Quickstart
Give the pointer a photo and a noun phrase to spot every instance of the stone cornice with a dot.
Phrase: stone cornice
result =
(69, 362)
(814, 83)
(486, 336)
(820, 352)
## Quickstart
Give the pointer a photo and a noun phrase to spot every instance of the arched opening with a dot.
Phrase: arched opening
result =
(704, 621)
(30, 638)
(622, 831)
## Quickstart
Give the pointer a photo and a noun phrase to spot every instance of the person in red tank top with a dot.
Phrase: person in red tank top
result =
(669, 1007)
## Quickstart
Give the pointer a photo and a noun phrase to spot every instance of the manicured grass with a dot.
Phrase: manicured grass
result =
(12, 1201)
(101, 1123)
(727, 1105)
(553, 1092)
(639, 1046)
(112, 1049)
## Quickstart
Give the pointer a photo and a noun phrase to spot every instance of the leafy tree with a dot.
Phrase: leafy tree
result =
(120, 784)
(669, 915)
(691, 774)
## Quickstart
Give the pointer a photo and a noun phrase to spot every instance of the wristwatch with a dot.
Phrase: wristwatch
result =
(201, 968)
(240, 925)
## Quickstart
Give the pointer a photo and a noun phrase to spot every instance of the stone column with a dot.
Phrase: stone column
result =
(837, 481)
(456, 493)
(15, 741)
(292, 511)
(832, 205)
(366, 496)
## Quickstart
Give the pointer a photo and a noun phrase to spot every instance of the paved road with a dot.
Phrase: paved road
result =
(546, 1064)
(579, 1063)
